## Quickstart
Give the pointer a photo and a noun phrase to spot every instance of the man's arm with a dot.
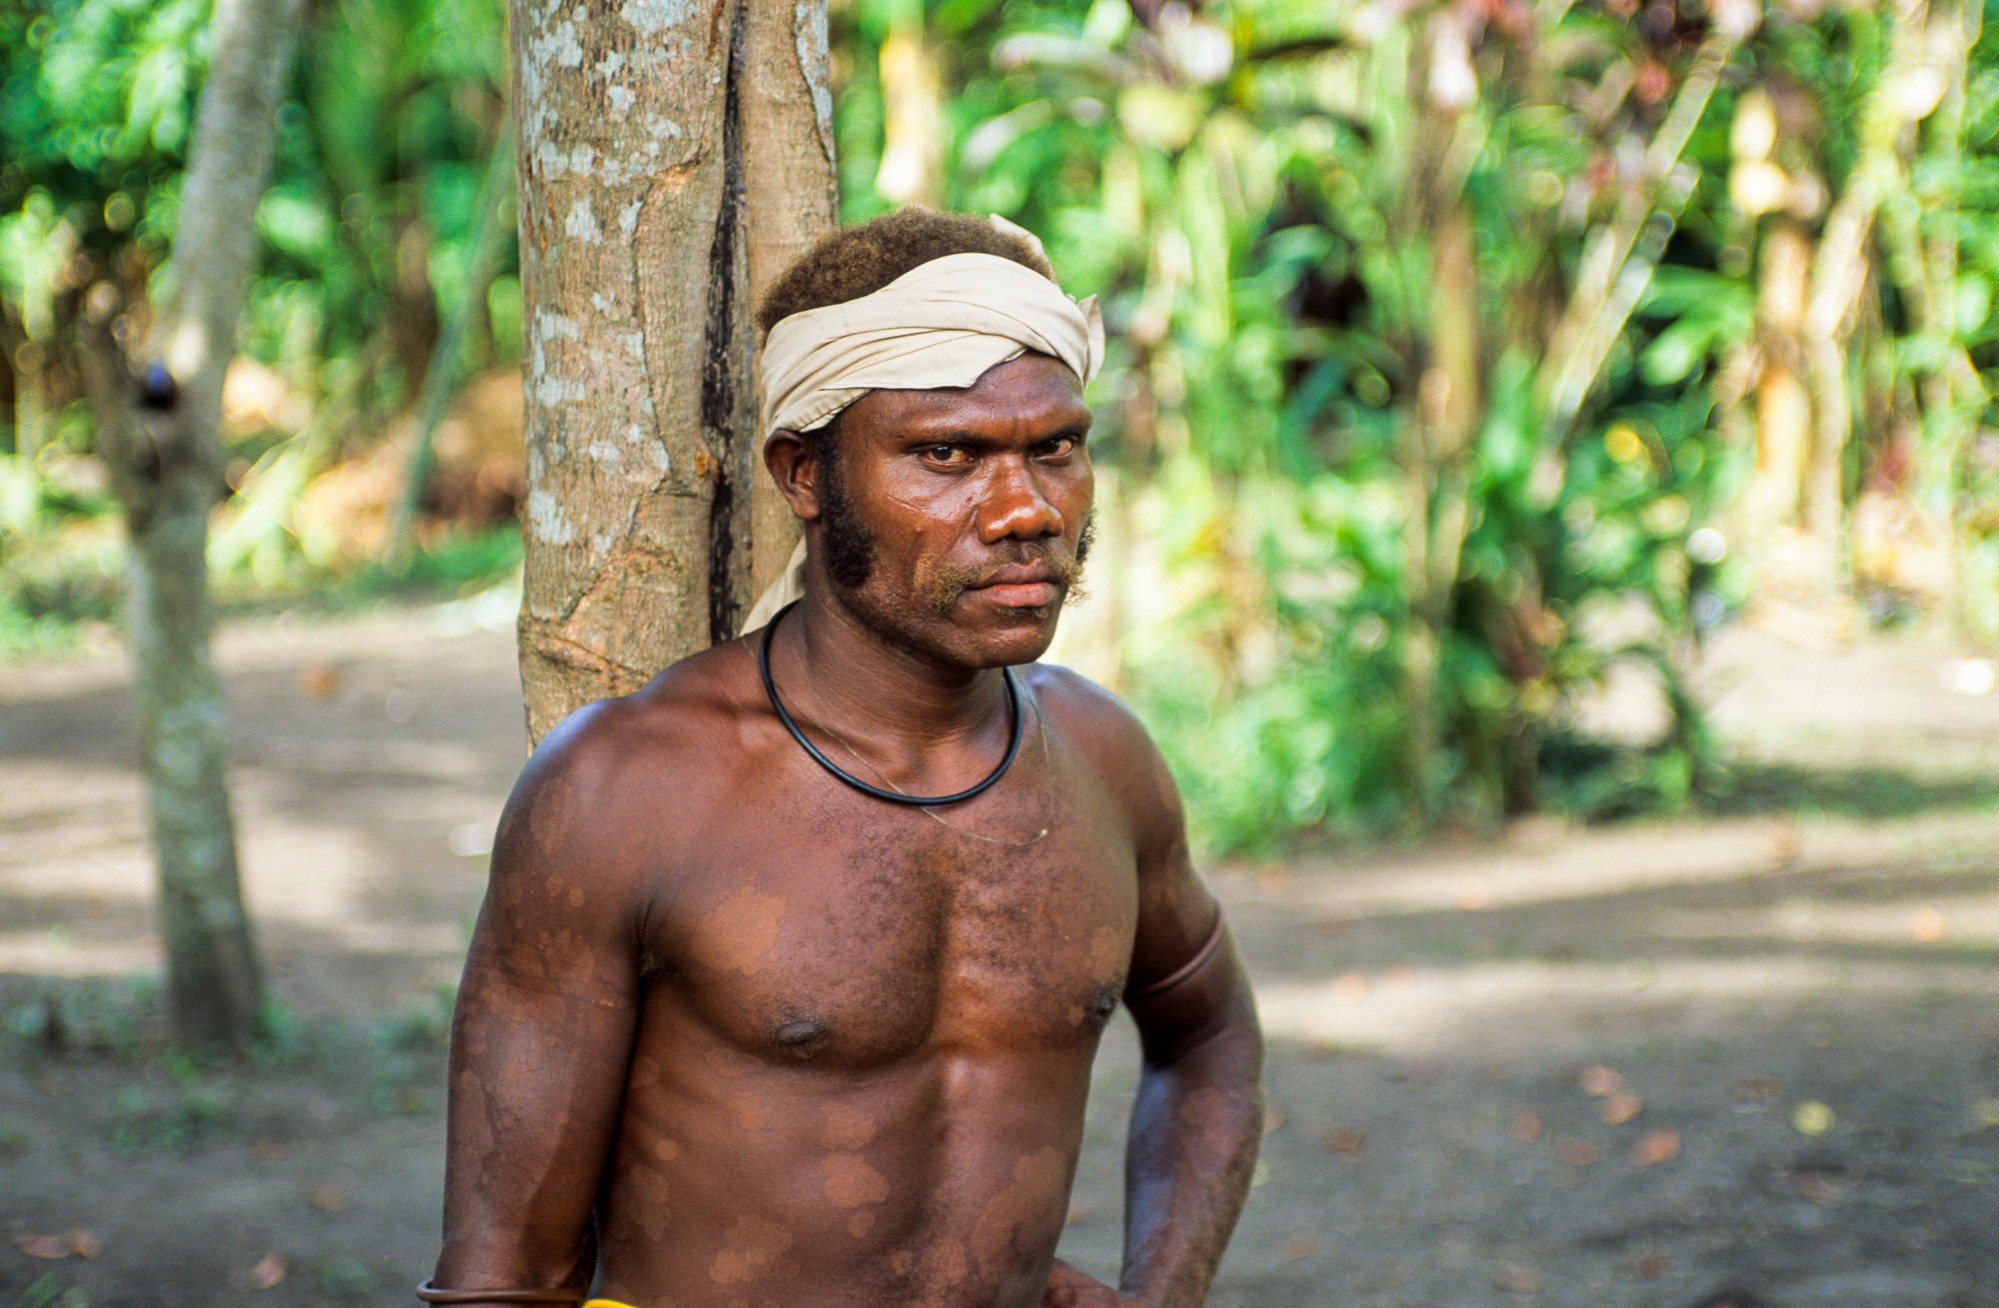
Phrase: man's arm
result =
(1198, 1119)
(542, 1036)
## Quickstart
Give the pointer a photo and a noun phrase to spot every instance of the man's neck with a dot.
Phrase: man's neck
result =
(903, 709)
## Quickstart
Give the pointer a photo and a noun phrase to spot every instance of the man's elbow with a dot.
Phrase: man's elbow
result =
(1230, 1040)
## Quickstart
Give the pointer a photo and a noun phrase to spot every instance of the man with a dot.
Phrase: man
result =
(793, 964)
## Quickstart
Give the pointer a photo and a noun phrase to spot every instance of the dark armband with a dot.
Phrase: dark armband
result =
(1202, 957)
(431, 1294)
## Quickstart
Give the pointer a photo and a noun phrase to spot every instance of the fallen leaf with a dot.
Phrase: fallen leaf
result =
(1812, 1117)
(1344, 1140)
(1078, 1214)
(1273, 1117)
(1526, 1128)
(1926, 925)
(1818, 1189)
(1651, 1267)
(1622, 1107)
(1299, 1246)
(1576, 1153)
(1784, 844)
(50, 1247)
(269, 1272)
(327, 1199)
(1518, 1278)
(1599, 1081)
(1757, 1087)
(319, 681)
(1658, 1147)
(84, 1244)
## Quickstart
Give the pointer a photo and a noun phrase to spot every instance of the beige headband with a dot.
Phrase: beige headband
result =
(943, 323)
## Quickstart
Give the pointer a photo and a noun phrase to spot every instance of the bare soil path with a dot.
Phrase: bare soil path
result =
(1750, 1060)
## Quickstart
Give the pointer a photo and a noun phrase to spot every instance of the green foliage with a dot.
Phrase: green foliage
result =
(366, 230)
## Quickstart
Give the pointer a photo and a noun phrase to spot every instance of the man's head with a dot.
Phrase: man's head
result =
(926, 421)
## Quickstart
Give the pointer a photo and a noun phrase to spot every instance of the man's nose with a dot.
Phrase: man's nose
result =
(1016, 506)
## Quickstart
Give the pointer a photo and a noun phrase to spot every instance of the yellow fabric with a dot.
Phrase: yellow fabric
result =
(606, 1303)
(943, 323)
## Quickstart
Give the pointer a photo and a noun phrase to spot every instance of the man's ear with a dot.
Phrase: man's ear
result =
(795, 469)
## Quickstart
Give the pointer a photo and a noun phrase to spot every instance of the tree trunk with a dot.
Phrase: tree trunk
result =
(647, 229)
(159, 434)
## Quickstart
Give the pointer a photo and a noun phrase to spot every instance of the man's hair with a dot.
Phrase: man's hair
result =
(860, 260)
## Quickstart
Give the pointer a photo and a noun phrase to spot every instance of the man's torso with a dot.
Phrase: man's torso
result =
(864, 1042)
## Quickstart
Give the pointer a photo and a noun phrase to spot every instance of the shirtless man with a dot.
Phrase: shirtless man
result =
(736, 1032)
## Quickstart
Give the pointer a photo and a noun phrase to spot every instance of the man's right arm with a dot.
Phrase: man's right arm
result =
(546, 1017)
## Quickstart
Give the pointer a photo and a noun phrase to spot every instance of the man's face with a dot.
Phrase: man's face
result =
(952, 520)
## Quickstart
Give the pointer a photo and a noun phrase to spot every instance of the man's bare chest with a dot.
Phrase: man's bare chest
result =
(864, 943)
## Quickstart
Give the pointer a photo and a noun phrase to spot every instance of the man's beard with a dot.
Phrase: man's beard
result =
(849, 546)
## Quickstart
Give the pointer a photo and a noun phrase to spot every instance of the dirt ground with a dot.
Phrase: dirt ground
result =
(1750, 1060)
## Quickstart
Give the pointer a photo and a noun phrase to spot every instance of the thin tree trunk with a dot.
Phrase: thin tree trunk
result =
(165, 461)
(440, 379)
(647, 227)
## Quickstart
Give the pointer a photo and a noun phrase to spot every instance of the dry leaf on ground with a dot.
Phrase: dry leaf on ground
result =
(269, 1272)
(1622, 1107)
(327, 1199)
(1344, 1140)
(1526, 1128)
(1599, 1081)
(84, 1244)
(1299, 1246)
(1658, 1147)
(50, 1247)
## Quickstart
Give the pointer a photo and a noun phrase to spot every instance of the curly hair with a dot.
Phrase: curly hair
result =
(860, 260)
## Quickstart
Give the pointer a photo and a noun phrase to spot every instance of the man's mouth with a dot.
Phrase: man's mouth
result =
(1021, 585)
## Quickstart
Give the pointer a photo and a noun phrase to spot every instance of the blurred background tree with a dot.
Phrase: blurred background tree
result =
(1464, 355)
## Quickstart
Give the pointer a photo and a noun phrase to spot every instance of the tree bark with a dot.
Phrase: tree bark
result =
(647, 230)
(159, 434)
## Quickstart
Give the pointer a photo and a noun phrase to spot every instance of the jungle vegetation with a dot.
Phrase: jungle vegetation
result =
(1462, 351)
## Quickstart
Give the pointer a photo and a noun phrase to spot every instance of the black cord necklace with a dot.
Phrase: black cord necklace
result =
(893, 797)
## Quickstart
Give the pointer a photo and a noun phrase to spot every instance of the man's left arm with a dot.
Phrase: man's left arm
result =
(1195, 1127)
(1198, 1118)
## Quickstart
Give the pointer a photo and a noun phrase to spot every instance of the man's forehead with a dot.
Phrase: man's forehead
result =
(1030, 385)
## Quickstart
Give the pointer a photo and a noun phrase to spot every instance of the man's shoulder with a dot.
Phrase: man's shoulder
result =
(1088, 713)
(682, 719)
(1111, 740)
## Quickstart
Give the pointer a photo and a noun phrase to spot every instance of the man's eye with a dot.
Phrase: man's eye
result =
(953, 454)
(1062, 447)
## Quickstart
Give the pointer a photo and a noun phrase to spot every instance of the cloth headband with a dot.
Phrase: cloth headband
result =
(943, 323)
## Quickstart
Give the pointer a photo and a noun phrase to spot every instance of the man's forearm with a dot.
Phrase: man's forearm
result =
(1194, 1136)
